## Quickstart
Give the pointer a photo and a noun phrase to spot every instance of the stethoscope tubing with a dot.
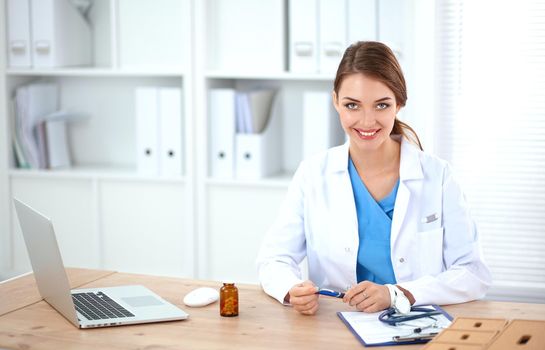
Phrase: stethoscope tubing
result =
(388, 318)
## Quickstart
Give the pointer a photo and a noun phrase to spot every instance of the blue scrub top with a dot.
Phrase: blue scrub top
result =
(374, 228)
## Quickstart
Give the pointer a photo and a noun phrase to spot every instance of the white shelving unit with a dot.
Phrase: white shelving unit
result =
(106, 214)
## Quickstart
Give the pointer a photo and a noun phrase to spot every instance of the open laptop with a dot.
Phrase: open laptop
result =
(85, 308)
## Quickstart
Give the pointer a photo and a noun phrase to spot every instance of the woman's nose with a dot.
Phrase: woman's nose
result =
(367, 118)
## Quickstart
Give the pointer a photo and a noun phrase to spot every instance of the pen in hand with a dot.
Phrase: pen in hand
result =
(330, 293)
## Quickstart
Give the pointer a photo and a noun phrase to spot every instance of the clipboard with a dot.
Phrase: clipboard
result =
(367, 328)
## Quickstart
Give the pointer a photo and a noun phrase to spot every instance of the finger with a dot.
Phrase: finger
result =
(359, 288)
(311, 311)
(307, 306)
(301, 290)
(373, 308)
(366, 305)
(358, 298)
(305, 299)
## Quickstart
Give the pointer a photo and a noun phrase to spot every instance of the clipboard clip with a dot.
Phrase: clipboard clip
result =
(413, 337)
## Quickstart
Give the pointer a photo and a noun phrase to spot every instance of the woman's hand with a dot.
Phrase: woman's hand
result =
(368, 297)
(303, 297)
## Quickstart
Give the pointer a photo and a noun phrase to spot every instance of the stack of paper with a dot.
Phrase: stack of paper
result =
(39, 129)
(253, 110)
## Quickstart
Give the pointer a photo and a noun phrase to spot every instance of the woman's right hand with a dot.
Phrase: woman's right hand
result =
(303, 298)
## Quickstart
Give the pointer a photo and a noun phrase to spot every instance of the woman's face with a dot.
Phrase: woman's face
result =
(367, 109)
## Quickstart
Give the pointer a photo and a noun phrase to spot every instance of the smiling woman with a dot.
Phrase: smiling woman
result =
(368, 214)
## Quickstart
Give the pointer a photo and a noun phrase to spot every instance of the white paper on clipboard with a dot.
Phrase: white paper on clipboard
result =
(372, 332)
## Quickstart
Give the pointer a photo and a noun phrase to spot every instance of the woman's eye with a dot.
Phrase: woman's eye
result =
(382, 106)
(351, 105)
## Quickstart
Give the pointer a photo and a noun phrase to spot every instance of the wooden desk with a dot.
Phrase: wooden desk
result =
(262, 323)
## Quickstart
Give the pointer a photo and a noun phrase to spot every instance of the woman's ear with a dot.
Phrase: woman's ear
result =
(335, 99)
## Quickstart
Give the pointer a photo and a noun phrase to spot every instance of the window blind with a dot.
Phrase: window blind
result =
(491, 128)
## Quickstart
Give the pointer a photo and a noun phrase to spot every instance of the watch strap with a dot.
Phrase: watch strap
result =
(395, 295)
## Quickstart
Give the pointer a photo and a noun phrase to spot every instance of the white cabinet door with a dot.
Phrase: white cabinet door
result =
(238, 219)
(69, 204)
(144, 228)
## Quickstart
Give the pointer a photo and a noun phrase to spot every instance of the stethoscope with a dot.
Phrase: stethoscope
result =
(392, 318)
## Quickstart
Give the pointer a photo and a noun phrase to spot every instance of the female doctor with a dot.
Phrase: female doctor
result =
(376, 218)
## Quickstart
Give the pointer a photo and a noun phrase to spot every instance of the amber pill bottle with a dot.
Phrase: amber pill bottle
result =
(229, 300)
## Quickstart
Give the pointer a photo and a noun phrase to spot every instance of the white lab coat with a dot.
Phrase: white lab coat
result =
(434, 245)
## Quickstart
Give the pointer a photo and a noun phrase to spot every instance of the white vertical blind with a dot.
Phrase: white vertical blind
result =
(491, 127)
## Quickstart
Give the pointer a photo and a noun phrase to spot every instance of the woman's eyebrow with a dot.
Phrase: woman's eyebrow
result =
(356, 100)
(383, 99)
(351, 99)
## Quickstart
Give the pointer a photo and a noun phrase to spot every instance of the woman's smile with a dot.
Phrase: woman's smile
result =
(367, 134)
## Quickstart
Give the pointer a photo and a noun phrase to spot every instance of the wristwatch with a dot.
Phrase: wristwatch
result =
(398, 300)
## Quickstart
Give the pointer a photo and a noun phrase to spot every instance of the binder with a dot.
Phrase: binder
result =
(147, 133)
(332, 33)
(259, 154)
(57, 144)
(18, 18)
(170, 140)
(303, 36)
(222, 120)
(321, 126)
(362, 20)
(60, 34)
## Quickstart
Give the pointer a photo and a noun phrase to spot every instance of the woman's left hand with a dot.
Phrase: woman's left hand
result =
(368, 297)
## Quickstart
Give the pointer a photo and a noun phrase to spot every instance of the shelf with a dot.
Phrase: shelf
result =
(93, 72)
(92, 173)
(270, 76)
(278, 181)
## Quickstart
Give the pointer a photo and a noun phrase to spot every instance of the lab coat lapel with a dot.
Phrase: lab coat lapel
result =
(400, 209)
(410, 169)
(343, 208)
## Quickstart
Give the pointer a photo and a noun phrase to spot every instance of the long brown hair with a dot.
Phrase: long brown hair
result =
(378, 61)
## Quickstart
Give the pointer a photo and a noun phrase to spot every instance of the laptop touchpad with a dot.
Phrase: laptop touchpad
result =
(146, 300)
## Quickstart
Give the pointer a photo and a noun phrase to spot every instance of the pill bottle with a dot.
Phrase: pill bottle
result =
(229, 300)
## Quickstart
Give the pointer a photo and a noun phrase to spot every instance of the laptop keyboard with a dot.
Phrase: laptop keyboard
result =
(98, 306)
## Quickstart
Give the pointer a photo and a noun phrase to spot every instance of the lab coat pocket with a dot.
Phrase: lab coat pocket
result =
(430, 251)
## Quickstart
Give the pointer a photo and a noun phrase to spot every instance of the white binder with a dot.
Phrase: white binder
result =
(18, 18)
(303, 36)
(57, 144)
(222, 117)
(147, 133)
(332, 34)
(60, 34)
(362, 20)
(321, 125)
(260, 154)
(170, 139)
